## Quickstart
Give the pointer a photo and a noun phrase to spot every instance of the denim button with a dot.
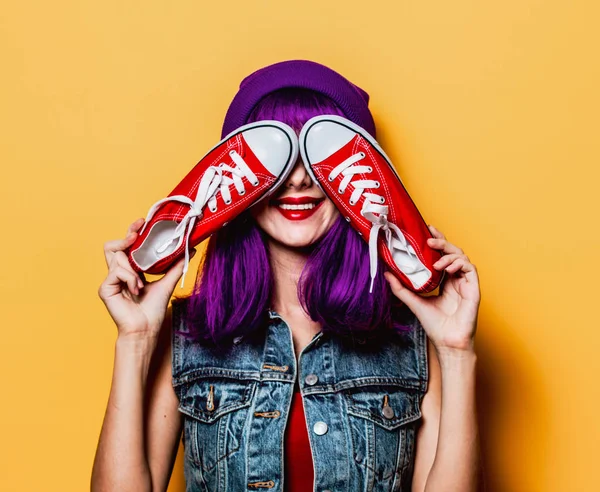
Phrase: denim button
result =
(311, 379)
(320, 428)
(388, 412)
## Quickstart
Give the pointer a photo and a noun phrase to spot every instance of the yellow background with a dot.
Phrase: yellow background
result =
(489, 110)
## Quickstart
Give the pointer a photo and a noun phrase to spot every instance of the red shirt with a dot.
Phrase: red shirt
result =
(298, 472)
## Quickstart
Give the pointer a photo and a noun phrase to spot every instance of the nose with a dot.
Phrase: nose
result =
(298, 178)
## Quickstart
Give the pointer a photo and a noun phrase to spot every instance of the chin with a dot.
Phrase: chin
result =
(296, 234)
(296, 239)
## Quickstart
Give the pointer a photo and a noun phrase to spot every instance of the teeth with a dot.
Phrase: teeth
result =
(305, 206)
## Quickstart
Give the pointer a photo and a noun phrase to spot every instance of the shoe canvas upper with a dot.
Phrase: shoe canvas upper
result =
(354, 172)
(241, 170)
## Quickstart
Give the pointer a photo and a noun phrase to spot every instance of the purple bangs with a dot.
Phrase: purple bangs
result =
(233, 288)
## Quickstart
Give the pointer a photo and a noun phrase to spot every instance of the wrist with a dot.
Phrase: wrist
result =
(455, 353)
(137, 343)
(451, 358)
(134, 355)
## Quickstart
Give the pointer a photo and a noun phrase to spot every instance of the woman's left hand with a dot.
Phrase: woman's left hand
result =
(449, 319)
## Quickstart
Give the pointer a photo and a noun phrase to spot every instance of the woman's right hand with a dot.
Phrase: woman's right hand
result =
(137, 307)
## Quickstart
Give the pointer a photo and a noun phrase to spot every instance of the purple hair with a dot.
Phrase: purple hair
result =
(233, 288)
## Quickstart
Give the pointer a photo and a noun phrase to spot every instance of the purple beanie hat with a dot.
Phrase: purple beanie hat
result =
(302, 74)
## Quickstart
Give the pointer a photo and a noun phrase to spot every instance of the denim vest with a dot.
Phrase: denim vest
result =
(361, 396)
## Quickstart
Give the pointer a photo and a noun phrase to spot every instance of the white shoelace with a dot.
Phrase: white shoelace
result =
(373, 204)
(213, 181)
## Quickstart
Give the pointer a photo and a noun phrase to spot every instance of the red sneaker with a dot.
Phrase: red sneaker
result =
(256, 158)
(337, 153)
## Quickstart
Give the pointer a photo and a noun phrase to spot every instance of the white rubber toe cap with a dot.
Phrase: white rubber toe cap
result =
(324, 138)
(274, 144)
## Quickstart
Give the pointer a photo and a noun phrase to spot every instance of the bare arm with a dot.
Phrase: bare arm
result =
(427, 435)
(449, 458)
(457, 464)
(448, 455)
(142, 426)
(163, 420)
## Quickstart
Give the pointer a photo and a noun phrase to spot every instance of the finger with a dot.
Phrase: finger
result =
(135, 225)
(435, 232)
(446, 260)
(129, 278)
(460, 264)
(122, 244)
(471, 273)
(120, 259)
(444, 245)
(466, 266)
(414, 302)
(111, 247)
(115, 278)
(455, 266)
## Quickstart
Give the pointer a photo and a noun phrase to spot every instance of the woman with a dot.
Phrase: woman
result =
(282, 370)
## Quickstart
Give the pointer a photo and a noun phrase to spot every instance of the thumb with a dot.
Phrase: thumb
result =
(415, 302)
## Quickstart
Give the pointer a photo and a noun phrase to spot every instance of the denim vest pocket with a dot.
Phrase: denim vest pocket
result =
(383, 420)
(216, 411)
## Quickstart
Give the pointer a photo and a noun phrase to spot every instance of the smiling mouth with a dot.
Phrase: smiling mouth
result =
(289, 206)
(297, 208)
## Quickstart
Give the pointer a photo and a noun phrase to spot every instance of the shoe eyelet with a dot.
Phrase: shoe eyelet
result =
(382, 200)
(213, 210)
(231, 152)
(370, 169)
(347, 218)
(377, 184)
(330, 178)
(362, 154)
(351, 202)
(340, 191)
(228, 203)
(243, 192)
(256, 183)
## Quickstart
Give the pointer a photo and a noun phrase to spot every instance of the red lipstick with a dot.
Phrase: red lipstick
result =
(297, 208)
